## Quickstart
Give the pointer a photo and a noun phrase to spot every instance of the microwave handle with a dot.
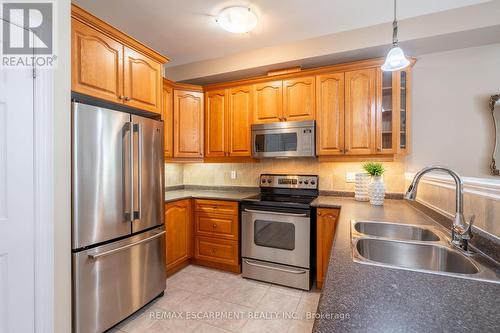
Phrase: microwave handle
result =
(274, 213)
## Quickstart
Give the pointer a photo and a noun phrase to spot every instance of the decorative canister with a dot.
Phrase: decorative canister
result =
(377, 191)
(361, 186)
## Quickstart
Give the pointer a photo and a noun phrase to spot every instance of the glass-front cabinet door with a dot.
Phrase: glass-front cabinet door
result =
(385, 116)
(393, 112)
(403, 100)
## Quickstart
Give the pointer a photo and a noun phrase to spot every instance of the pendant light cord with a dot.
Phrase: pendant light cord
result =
(395, 28)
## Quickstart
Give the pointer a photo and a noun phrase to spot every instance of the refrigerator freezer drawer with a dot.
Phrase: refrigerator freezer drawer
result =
(113, 281)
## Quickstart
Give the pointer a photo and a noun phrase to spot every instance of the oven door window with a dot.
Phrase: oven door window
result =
(275, 142)
(278, 235)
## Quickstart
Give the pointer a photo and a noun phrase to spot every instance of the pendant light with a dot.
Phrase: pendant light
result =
(396, 58)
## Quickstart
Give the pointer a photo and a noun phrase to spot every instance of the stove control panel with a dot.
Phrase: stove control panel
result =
(289, 181)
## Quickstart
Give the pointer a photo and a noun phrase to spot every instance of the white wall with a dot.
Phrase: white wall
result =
(452, 124)
(62, 171)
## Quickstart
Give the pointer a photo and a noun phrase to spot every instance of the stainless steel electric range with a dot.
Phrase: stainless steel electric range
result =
(277, 226)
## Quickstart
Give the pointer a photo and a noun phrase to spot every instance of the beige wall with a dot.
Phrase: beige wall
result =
(332, 174)
(452, 126)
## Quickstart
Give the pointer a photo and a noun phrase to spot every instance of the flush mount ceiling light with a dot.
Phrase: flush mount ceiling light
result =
(396, 59)
(237, 19)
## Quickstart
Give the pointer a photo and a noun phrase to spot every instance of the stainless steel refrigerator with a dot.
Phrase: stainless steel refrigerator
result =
(118, 236)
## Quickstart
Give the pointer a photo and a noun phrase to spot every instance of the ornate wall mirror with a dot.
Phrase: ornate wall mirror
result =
(495, 111)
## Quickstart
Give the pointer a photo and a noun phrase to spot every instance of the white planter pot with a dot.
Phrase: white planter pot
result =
(362, 186)
(377, 191)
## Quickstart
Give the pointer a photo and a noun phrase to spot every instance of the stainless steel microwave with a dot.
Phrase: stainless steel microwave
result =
(284, 139)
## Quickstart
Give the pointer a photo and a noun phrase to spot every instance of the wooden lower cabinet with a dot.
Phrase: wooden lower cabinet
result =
(325, 232)
(216, 206)
(202, 232)
(216, 241)
(216, 250)
(221, 226)
(179, 237)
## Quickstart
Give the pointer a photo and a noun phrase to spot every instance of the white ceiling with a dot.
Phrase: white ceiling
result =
(186, 31)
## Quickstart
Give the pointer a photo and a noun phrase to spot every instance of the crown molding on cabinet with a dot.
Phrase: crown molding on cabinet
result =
(337, 68)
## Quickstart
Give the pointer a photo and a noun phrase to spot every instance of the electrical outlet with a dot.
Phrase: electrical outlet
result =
(350, 177)
(233, 174)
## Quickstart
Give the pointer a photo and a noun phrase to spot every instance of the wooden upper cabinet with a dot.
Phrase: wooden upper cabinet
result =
(360, 111)
(167, 115)
(97, 63)
(142, 81)
(180, 233)
(299, 99)
(215, 123)
(239, 121)
(268, 102)
(188, 124)
(109, 65)
(330, 114)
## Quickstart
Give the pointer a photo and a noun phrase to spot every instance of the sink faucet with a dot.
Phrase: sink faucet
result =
(461, 231)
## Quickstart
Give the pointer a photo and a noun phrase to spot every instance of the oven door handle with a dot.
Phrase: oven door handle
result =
(251, 263)
(274, 213)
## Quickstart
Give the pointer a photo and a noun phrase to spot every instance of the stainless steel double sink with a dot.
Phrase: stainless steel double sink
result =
(418, 248)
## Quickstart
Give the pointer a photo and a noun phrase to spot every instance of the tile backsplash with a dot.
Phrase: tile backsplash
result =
(174, 174)
(332, 175)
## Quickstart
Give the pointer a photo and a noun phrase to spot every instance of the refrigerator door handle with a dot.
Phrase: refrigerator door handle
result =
(129, 209)
(138, 129)
(128, 246)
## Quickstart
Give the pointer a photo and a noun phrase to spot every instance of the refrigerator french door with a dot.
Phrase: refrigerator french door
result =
(118, 258)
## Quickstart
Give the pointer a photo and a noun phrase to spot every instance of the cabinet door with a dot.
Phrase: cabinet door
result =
(325, 233)
(403, 109)
(360, 112)
(97, 63)
(179, 236)
(330, 114)
(167, 116)
(299, 99)
(188, 124)
(142, 81)
(268, 102)
(215, 123)
(387, 117)
(239, 121)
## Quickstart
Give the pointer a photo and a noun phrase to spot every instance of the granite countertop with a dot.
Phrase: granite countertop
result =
(367, 298)
(174, 195)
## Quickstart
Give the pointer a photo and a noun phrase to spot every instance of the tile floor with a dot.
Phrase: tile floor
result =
(205, 300)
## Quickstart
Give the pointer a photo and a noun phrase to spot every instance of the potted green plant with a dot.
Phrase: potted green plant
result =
(377, 186)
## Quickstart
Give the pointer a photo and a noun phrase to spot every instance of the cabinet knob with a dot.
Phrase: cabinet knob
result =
(121, 97)
(284, 118)
(214, 225)
(214, 251)
(127, 98)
